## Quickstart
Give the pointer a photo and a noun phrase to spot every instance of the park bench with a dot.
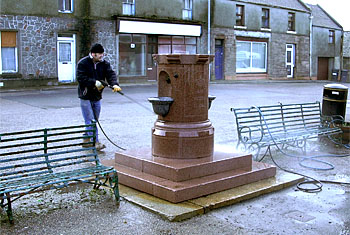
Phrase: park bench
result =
(282, 124)
(52, 158)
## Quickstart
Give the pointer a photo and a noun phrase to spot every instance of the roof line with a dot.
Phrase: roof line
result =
(307, 10)
(305, 5)
(336, 22)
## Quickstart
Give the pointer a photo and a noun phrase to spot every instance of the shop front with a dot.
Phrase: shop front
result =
(138, 40)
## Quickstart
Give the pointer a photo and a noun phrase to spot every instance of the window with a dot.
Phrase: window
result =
(8, 52)
(251, 57)
(265, 18)
(65, 6)
(331, 36)
(291, 21)
(239, 15)
(132, 55)
(65, 52)
(187, 11)
(129, 7)
(177, 45)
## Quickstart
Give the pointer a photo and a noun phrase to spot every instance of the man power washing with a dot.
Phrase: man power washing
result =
(92, 72)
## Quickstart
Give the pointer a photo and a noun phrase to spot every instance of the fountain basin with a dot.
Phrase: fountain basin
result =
(161, 105)
(210, 98)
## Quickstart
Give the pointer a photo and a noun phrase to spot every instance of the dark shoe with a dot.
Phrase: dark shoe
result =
(99, 146)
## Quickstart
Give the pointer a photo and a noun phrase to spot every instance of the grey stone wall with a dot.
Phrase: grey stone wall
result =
(37, 54)
(346, 54)
(104, 32)
(37, 41)
(346, 63)
(277, 53)
(227, 34)
(346, 44)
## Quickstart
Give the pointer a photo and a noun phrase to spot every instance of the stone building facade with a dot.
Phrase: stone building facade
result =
(346, 57)
(48, 41)
(326, 44)
(277, 64)
(37, 47)
(263, 25)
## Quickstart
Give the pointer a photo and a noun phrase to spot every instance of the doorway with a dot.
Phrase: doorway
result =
(66, 58)
(290, 60)
(219, 58)
(322, 68)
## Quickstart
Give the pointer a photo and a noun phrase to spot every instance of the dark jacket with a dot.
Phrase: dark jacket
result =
(88, 73)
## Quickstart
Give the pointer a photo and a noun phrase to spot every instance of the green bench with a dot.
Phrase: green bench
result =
(285, 124)
(52, 158)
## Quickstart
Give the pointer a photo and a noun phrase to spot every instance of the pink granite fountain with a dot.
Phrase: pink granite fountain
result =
(183, 163)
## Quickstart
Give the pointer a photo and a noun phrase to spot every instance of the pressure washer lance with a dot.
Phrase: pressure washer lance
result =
(105, 84)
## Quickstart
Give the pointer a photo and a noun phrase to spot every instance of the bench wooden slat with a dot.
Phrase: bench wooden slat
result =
(45, 155)
(23, 173)
(87, 157)
(52, 178)
(29, 174)
(41, 130)
(41, 142)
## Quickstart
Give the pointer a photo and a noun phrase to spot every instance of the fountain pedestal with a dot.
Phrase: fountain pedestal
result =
(182, 163)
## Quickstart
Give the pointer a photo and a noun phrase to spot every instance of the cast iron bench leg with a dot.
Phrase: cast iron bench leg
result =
(304, 147)
(9, 208)
(97, 184)
(2, 200)
(114, 185)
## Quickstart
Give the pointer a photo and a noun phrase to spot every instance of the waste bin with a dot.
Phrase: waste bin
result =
(334, 100)
(335, 73)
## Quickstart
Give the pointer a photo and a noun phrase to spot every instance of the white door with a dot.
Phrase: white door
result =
(290, 60)
(66, 59)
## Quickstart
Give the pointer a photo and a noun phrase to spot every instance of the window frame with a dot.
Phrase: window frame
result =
(172, 44)
(133, 42)
(64, 8)
(16, 55)
(187, 12)
(130, 3)
(241, 15)
(291, 22)
(251, 69)
(331, 36)
(265, 18)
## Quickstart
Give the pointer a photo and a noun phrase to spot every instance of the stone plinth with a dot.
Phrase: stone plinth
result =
(178, 180)
(182, 163)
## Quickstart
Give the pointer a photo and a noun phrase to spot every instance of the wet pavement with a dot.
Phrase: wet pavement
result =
(84, 211)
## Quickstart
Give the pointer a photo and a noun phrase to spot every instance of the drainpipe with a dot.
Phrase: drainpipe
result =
(341, 51)
(311, 41)
(209, 38)
(209, 27)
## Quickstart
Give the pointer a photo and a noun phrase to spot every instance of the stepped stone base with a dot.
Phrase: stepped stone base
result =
(178, 180)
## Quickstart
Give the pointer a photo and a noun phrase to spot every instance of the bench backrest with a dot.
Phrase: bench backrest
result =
(50, 150)
(279, 118)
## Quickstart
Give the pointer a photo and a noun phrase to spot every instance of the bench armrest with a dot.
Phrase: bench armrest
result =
(247, 135)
